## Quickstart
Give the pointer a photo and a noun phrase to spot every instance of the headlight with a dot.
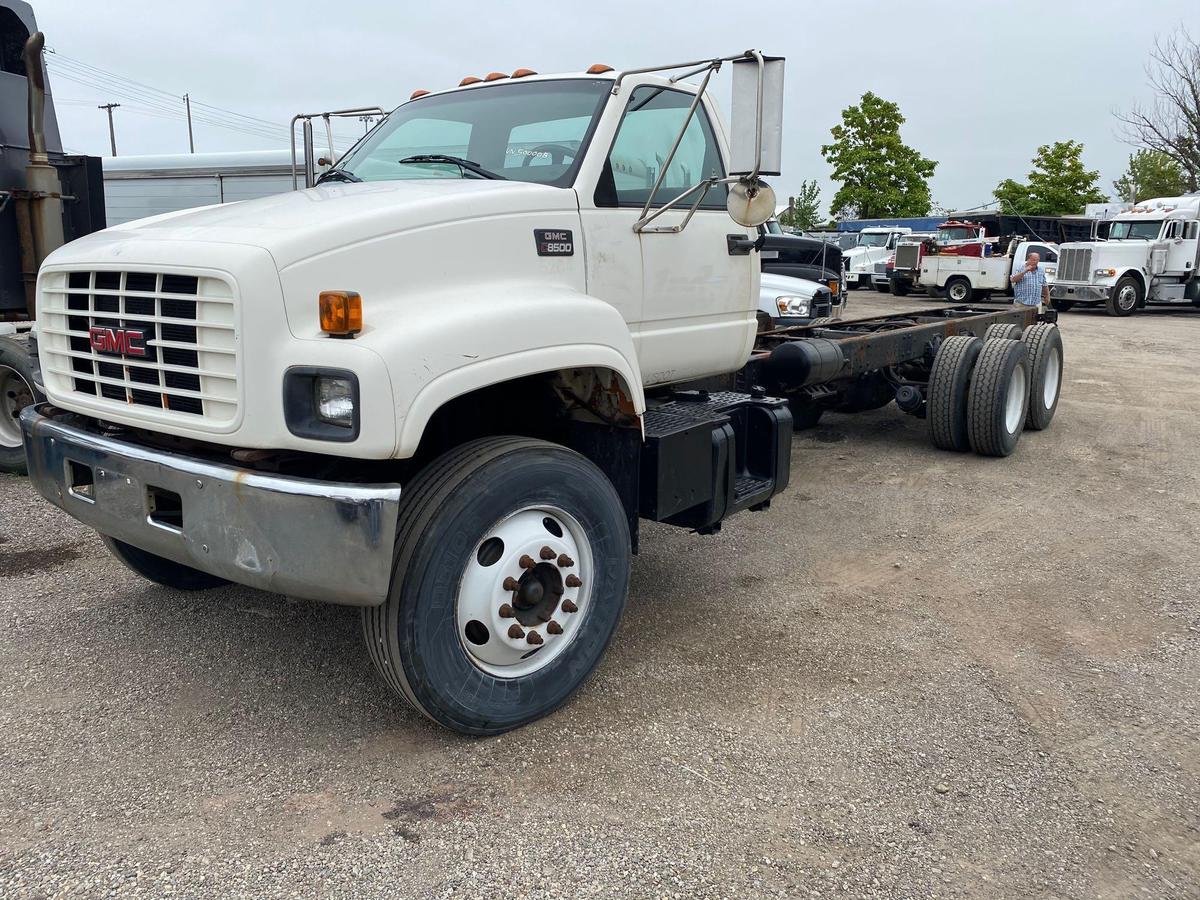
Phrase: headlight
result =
(1105, 273)
(334, 400)
(792, 306)
(321, 404)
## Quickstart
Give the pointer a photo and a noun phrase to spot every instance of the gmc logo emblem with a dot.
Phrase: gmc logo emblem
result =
(117, 341)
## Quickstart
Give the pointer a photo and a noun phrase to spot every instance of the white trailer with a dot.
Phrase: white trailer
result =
(140, 186)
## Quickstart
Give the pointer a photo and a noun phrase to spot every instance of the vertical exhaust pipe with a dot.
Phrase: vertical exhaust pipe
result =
(40, 209)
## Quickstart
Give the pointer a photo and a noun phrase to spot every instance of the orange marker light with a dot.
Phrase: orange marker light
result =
(421, 92)
(470, 79)
(341, 312)
(521, 73)
(494, 76)
(598, 69)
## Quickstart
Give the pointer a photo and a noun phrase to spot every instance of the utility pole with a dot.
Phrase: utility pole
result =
(366, 120)
(112, 135)
(187, 101)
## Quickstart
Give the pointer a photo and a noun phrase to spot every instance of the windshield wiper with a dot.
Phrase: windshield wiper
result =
(339, 175)
(465, 164)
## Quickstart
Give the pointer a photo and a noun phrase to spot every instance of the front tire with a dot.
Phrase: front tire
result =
(162, 571)
(1062, 305)
(899, 288)
(16, 392)
(510, 576)
(1126, 297)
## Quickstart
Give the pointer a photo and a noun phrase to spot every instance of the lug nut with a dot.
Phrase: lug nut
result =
(546, 553)
(565, 562)
(534, 638)
(516, 631)
(526, 562)
(569, 606)
(506, 611)
(573, 581)
(554, 628)
(510, 584)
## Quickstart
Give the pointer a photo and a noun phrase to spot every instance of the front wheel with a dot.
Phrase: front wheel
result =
(1125, 298)
(16, 392)
(899, 288)
(509, 579)
(1062, 305)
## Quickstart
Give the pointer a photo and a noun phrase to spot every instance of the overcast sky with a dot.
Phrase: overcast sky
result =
(982, 85)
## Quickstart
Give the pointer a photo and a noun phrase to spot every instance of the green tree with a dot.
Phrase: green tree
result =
(1151, 174)
(880, 175)
(1059, 185)
(804, 210)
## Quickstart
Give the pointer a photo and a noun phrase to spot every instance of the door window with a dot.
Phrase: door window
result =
(1191, 231)
(652, 121)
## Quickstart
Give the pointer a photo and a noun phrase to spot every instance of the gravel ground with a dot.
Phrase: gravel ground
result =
(919, 674)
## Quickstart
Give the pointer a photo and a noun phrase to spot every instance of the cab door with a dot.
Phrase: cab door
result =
(692, 312)
(1182, 246)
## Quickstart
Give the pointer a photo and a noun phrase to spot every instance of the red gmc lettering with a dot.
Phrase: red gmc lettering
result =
(117, 340)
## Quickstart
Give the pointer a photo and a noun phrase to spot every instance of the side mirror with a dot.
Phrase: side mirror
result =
(756, 142)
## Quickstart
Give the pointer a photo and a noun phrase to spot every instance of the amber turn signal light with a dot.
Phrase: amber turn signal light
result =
(341, 312)
(598, 69)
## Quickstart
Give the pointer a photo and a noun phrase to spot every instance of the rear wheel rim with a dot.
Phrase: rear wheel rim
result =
(525, 592)
(1014, 406)
(958, 291)
(15, 395)
(1053, 373)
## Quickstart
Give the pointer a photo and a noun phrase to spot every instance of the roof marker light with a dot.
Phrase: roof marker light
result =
(470, 79)
(494, 76)
(521, 73)
(420, 92)
(598, 69)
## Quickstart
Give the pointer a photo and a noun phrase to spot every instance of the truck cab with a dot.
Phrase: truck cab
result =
(875, 244)
(1151, 255)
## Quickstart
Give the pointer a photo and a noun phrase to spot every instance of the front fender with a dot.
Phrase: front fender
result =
(452, 346)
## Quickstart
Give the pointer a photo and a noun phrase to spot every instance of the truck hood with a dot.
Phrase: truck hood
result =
(782, 285)
(1114, 254)
(298, 225)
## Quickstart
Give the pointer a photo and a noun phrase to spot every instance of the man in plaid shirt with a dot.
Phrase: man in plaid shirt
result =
(1029, 285)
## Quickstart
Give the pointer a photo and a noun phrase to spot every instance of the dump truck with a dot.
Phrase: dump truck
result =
(447, 382)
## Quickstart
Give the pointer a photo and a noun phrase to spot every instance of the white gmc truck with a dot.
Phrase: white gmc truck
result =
(1152, 255)
(446, 383)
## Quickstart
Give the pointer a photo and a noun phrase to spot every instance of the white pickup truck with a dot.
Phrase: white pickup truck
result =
(875, 244)
(961, 278)
(446, 383)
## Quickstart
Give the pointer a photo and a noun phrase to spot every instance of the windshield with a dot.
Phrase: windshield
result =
(955, 234)
(1134, 231)
(533, 131)
(873, 240)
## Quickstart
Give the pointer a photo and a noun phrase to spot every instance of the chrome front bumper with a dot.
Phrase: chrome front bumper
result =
(298, 536)
(1081, 292)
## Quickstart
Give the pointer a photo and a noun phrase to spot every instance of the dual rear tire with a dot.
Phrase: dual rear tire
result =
(983, 393)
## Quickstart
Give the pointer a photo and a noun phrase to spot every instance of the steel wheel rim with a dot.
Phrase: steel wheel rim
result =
(487, 599)
(1127, 297)
(1014, 405)
(958, 291)
(15, 395)
(1053, 373)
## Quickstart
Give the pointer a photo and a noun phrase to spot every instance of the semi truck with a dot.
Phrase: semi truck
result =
(1151, 255)
(875, 244)
(446, 383)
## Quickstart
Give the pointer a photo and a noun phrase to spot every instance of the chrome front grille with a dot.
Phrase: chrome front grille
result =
(1074, 264)
(908, 256)
(161, 341)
